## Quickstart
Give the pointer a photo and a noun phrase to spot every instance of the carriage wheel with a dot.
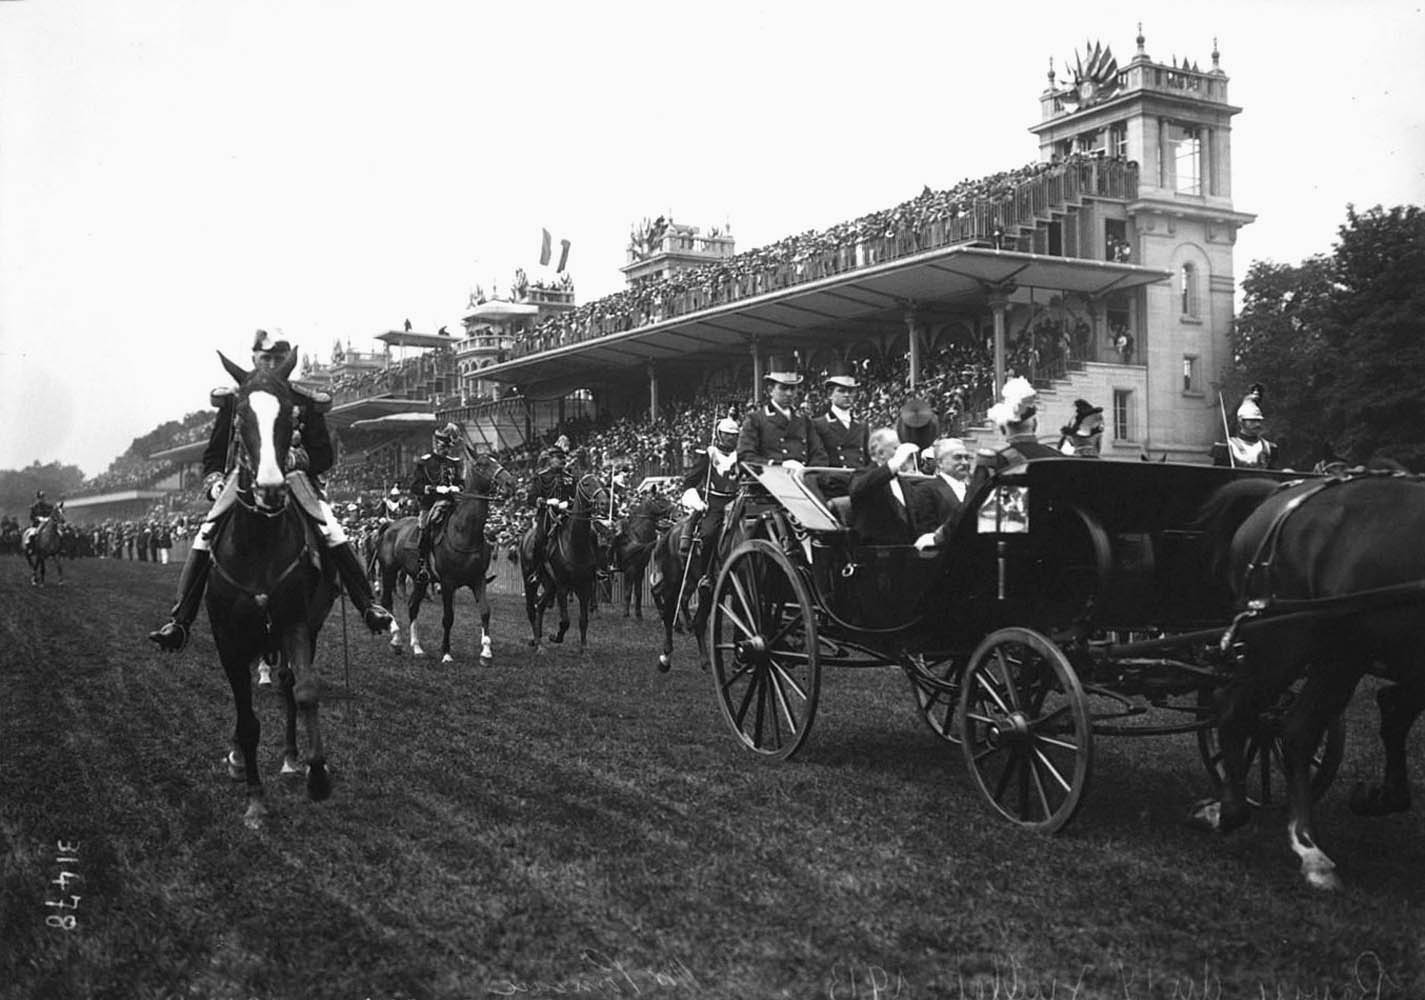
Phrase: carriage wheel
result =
(937, 704)
(766, 663)
(1024, 723)
(1266, 762)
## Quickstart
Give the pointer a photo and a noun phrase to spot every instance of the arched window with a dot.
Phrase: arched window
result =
(1189, 290)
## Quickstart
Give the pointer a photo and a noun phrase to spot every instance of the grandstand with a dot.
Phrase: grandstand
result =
(1103, 270)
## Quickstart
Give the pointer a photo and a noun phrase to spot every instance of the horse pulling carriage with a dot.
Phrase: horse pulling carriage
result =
(1073, 599)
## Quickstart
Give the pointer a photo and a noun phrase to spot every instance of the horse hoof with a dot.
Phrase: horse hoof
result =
(447, 658)
(1326, 880)
(419, 654)
(556, 639)
(665, 663)
(1376, 800)
(290, 767)
(234, 765)
(252, 819)
(319, 786)
(487, 661)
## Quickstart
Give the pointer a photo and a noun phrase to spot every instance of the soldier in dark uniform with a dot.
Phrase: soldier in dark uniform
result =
(708, 488)
(845, 439)
(311, 452)
(40, 509)
(775, 433)
(551, 490)
(437, 477)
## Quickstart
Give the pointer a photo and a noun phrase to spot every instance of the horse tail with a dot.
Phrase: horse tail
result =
(1225, 512)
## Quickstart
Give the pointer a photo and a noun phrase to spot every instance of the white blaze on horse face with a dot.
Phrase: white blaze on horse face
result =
(265, 408)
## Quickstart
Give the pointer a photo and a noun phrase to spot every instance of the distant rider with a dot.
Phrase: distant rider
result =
(435, 485)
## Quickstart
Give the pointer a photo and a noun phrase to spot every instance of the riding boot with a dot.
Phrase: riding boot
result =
(173, 635)
(353, 578)
(423, 558)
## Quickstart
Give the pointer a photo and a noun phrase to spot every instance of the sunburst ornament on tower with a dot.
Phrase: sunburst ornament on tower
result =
(1095, 75)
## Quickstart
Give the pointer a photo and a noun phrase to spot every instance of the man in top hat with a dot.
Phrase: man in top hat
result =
(775, 433)
(1083, 436)
(1247, 449)
(846, 440)
(880, 500)
(435, 485)
(551, 490)
(311, 454)
(917, 424)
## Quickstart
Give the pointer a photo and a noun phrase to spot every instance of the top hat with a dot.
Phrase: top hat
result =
(782, 371)
(838, 374)
(264, 343)
(917, 424)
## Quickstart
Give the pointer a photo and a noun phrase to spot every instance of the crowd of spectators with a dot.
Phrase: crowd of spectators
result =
(984, 209)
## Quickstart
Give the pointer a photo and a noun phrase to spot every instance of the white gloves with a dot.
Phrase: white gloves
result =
(794, 467)
(552, 501)
(445, 489)
(925, 541)
(692, 501)
(213, 485)
(904, 454)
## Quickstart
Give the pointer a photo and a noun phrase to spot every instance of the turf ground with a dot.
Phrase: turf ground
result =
(590, 827)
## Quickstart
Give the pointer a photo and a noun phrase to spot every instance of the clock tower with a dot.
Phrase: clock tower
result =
(1174, 120)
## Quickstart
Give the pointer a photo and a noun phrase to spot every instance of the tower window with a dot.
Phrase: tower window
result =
(1188, 279)
(1123, 414)
(1191, 385)
(1118, 140)
(1185, 158)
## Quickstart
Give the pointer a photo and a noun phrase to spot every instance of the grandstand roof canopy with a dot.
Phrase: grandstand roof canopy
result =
(395, 422)
(371, 408)
(183, 453)
(409, 338)
(846, 306)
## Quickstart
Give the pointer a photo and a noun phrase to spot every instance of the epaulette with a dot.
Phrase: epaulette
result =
(321, 401)
(220, 394)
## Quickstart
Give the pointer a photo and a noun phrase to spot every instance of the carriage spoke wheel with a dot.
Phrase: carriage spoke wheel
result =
(937, 703)
(765, 656)
(1024, 724)
(1266, 759)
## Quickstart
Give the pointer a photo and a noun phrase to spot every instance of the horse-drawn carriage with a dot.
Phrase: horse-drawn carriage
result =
(1073, 599)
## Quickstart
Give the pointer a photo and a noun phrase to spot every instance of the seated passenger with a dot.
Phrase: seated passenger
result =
(939, 499)
(880, 511)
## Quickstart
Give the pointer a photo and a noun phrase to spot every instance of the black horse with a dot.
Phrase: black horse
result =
(1346, 554)
(46, 542)
(675, 586)
(570, 564)
(460, 555)
(269, 592)
(633, 546)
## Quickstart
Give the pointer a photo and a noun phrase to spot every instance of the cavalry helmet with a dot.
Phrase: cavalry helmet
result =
(1249, 410)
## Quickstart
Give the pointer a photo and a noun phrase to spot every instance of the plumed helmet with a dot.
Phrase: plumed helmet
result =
(39, 494)
(1249, 410)
(727, 426)
(267, 343)
(1019, 401)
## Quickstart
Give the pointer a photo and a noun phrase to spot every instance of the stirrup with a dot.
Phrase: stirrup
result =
(170, 637)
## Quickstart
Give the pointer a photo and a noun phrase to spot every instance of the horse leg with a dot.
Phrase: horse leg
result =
(286, 681)
(297, 644)
(413, 608)
(586, 597)
(447, 619)
(1399, 706)
(1238, 714)
(1323, 697)
(245, 735)
(388, 600)
(562, 594)
(487, 654)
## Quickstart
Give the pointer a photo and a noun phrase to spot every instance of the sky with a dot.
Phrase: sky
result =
(175, 174)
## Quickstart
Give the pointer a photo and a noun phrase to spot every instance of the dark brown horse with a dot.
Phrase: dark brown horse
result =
(1341, 563)
(674, 588)
(46, 543)
(268, 593)
(633, 546)
(461, 556)
(570, 564)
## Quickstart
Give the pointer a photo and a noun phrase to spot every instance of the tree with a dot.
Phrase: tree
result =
(18, 486)
(1339, 342)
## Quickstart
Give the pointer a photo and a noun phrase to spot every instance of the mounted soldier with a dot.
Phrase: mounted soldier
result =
(435, 486)
(708, 488)
(311, 455)
(1247, 449)
(40, 509)
(549, 494)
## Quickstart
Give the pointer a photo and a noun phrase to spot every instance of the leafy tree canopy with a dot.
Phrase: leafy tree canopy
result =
(1339, 343)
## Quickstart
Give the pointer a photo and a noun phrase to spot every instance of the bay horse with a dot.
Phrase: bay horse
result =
(633, 546)
(45, 543)
(1340, 560)
(268, 591)
(570, 564)
(673, 587)
(461, 556)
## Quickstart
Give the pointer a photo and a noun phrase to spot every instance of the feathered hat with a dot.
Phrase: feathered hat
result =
(1018, 402)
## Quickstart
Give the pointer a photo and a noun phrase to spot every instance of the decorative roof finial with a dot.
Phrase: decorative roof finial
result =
(1140, 39)
(1051, 72)
(1215, 54)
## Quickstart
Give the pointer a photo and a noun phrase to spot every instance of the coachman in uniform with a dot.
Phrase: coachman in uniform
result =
(437, 479)
(311, 453)
(708, 488)
(775, 433)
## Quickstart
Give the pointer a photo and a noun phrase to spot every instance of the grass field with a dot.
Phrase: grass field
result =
(555, 827)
